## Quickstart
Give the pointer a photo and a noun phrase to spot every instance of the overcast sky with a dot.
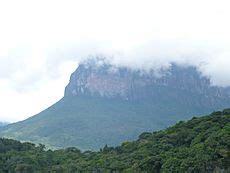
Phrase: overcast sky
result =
(41, 43)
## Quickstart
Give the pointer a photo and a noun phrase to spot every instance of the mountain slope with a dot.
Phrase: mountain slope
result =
(199, 145)
(107, 105)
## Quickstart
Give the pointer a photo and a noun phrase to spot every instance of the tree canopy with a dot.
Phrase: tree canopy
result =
(198, 145)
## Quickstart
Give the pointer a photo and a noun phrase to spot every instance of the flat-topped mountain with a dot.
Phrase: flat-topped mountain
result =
(106, 104)
(111, 82)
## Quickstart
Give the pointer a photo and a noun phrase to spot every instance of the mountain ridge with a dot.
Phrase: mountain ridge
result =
(198, 145)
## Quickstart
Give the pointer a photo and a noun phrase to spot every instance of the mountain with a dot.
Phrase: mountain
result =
(105, 104)
(3, 124)
(134, 85)
(196, 146)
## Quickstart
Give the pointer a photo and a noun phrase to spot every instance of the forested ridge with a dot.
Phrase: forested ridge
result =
(198, 145)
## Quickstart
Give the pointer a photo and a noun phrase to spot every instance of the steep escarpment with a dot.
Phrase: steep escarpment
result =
(109, 81)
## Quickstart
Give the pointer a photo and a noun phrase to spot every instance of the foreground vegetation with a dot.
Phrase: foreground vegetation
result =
(199, 145)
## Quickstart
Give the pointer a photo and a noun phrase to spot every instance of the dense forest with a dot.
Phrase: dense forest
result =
(198, 145)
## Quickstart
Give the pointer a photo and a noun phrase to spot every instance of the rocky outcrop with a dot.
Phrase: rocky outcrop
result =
(110, 81)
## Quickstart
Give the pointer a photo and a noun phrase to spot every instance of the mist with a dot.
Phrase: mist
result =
(210, 59)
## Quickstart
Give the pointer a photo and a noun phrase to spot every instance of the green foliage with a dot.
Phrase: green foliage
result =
(75, 121)
(198, 145)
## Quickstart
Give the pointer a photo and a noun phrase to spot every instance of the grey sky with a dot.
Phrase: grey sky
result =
(41, 43)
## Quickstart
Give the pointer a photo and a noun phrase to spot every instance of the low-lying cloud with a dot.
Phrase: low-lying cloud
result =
(212, 60)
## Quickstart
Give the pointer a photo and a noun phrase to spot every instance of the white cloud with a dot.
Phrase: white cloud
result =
(21, 100)
(217, 69)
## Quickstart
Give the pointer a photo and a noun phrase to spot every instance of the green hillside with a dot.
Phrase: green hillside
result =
(198, 145)
(90, 122)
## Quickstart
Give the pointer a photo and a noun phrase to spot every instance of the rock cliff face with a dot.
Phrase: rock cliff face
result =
(110, 82)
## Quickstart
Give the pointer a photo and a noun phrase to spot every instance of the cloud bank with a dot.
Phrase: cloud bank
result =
(211, 59)
(41, 79)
